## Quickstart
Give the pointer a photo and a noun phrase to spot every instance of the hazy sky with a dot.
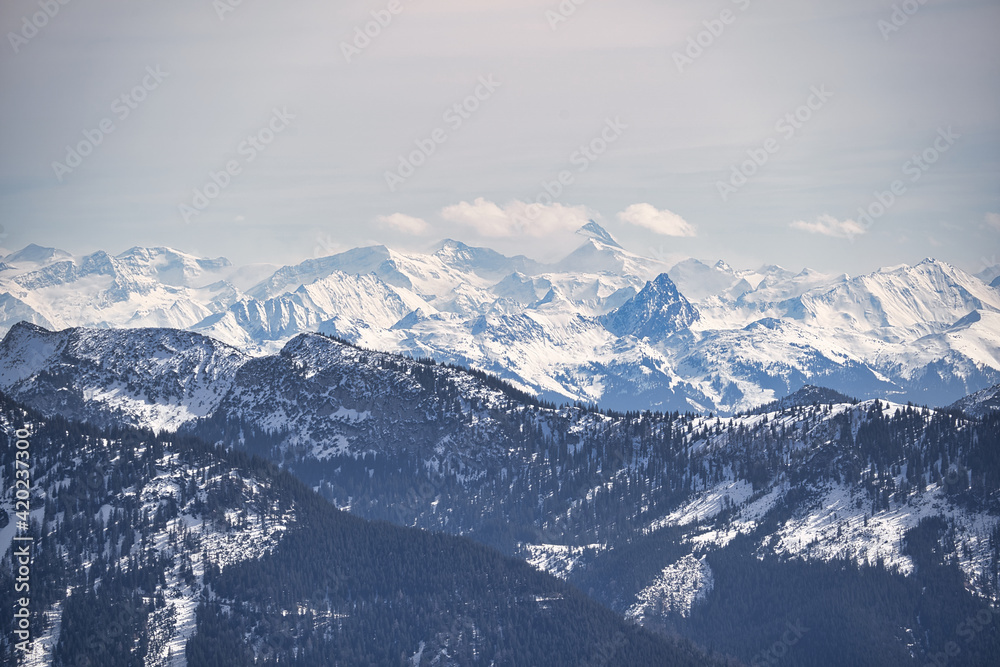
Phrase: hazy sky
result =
(833, 99)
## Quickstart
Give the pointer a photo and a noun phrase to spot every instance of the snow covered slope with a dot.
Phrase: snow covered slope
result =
(980, 403)
(156, 378)
(604, 325)
(140, 287)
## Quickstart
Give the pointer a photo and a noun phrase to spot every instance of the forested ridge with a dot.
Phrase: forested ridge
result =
(135, 525)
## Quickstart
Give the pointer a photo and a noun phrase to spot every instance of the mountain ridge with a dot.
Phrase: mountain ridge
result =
(172, 530)
(620, 504)
(557, 329)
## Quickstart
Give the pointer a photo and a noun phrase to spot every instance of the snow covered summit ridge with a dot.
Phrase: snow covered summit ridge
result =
(603, 325)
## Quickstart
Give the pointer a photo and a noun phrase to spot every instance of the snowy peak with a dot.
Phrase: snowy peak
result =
(25, 350)
(929, 293)
(556, 302)
(358, 261)
(594, 231)
(520, 288)
(658, 310)
(34, 254)
(483, 261)
(697, 280)
(597, 256)
(140, 287)
(163, 265)
(778, 285)
(594, 338)
(172, 267)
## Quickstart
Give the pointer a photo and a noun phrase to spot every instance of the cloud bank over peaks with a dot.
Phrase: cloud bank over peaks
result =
(827, 225)
(664, 222)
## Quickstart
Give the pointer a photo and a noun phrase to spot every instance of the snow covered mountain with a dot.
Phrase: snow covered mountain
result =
(155, 378)
(140, 287)
(657, 311)
(604, 325)
(980, 403)
(646, 512)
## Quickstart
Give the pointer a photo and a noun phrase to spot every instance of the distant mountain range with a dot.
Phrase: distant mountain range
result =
(603, 325)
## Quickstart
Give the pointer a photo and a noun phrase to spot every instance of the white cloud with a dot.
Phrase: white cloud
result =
(827, 225)
(993, 220)
(662, 222)
(516, 218)
(406, 224)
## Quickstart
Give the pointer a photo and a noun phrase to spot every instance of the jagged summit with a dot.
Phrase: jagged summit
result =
(659, 309)
(594, 231)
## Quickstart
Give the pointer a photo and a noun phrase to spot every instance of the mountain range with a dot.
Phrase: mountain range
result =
(602, 326)
(467, 457)
(722, 530)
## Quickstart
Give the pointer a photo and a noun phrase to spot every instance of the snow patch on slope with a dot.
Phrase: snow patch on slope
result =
(678, 587)
(840, 525)
(557, 559)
